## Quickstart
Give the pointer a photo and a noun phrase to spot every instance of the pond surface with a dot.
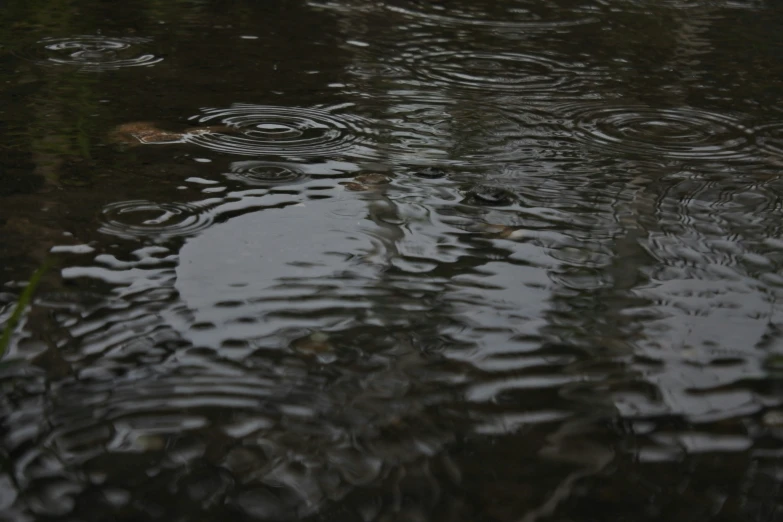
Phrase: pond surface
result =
(402, 260)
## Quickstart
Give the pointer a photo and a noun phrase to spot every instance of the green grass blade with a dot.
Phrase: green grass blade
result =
(21, 305)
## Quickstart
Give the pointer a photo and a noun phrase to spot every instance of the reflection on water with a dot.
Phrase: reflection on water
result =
(506, 261)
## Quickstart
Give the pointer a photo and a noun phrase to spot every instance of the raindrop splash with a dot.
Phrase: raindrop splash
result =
(265, 173)
(147, 219)
(681, 133)
(531, 74)
(91, 53)
(286, 131)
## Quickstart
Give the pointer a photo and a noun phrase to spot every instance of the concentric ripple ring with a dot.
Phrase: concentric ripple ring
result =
(537, 15)
(681, 133)
(769, 138)
(507, 72)
(264, 173)
(91, 53)
(287, 131)
(147, 219)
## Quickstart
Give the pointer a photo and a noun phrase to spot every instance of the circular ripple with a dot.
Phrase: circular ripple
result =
(521, 73)
(291, 131)
(675, 133)
(265, 173)
(136, 219)
(686, 5)
(529, 15)
(91, 53)
(770, 138)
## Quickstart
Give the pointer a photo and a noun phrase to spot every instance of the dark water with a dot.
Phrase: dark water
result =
(342, 260)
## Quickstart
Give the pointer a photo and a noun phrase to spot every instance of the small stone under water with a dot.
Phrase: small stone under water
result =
(500, 231)
(355, 187)
(314, 344)
(364, 182)
(372, 179)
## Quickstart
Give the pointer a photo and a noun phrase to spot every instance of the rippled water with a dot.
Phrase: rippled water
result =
(412, 260)
(90, 53)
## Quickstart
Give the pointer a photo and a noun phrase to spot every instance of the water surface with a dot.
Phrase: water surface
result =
(500, 261)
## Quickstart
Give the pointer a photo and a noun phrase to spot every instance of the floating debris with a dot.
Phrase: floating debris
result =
(147, 133)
